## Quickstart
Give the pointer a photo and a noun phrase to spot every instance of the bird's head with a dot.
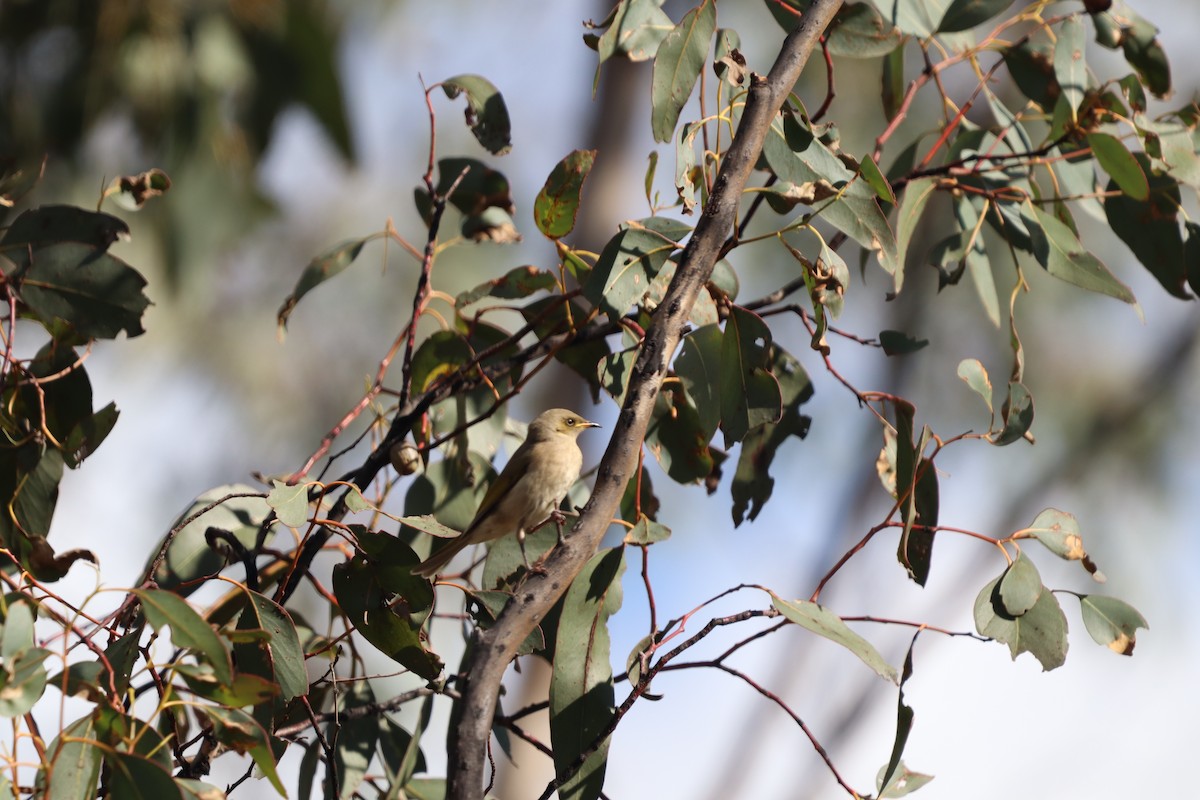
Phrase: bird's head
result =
(558, 422)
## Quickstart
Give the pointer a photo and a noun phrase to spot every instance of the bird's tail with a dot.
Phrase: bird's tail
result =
(440, 558)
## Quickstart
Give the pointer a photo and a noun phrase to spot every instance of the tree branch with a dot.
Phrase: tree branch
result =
(493, 649)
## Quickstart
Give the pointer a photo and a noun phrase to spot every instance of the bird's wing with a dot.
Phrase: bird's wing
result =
(499, 489)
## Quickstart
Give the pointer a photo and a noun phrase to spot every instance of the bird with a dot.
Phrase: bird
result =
(529, 489)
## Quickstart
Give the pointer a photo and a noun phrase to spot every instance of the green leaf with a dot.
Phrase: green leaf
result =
(976, 377)
(1031, 64)
(894, 779)
(319, 270)
(876, 180)
(824, 622)
(78, 292)
(199, 790)
(1151, 228)
(74, 763)
(1120, 165)
(282, 644)
(138, 778)
(918, 18)
(1140, 42)
(88, 435)
(393, 631)
(750, 394)
(898, 343)
(245, 690)
(698, 366)
(1020, 586)
(237, 730)
(188, 629)
(752, 482)
(22, 681)
(912, 204)
(189, 556)
(1059, 250)
(858, 30)
(1017, 413)
(677, 439)
(514, 284)
(687, 175)
(635, 29)
(479, 187)
(1112, 622)
(916, 488)
(903, 782)
(16, 634)
(353, 739)
(963, 15)
(1042, 630)
(581, 688)
(487, 115)
(557, 204)
(290, 503)
(798, 157)
(1058, 532)
(1069, 65)
(647, 531)
(892, 95)
(677, 65)
(46, 225)
(629, 262)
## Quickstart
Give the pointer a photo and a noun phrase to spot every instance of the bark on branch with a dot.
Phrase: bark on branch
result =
(493, 649)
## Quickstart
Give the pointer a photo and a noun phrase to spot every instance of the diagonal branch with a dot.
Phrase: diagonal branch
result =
(493, 649)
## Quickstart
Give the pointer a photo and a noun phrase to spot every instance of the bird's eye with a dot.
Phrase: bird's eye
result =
(570, 422)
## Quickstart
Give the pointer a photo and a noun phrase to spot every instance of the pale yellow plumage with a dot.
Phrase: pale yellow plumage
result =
(529, 488)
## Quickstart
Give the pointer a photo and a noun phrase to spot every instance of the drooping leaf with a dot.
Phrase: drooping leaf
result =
(22, 680)
(72, 768)
(699, 368)
(752, 482)
(237, 730)
(823, 622)
(750, 394)
(1120, 164)
(47, 225)
(919, 18)
(391, 629)
(581, 689)
(281, 648)
(1042, 630)
(1069, 65)
(647, 531)
(894, 779)
(516, 283)
(557, 204)
(629, 262)
(1058, 532)
(1145, 54)
(975, 376)
(1020, 587)
(799, 158)
(188, 629)
(1060, 251)
(898, 343)
(912, 204)
(320, 269)
(290, 503)
(676, 438)
(1017, 413)
(634, 29)
(353, 738)
(1151, 228)
(1112, 622)
(138, 778)
(78, 292)
(677, 65)
(963, 15)
(487, 114)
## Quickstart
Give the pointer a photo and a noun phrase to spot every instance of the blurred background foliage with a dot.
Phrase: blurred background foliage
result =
(286, 126)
